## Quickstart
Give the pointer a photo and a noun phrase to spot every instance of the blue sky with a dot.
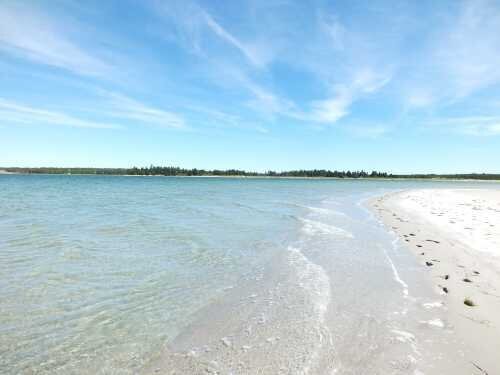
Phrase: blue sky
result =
(267, 84)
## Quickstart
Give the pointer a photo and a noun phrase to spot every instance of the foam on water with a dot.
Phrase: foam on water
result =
(314, 279)
(326, 211)
(395, 272)
(313, 227)
(433, 323)
(316, 282)
(433, 305)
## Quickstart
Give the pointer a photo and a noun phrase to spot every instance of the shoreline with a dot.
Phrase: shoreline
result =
(453, 234)
(433, 179)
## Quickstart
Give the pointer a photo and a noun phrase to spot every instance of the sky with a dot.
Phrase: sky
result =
(396, 86)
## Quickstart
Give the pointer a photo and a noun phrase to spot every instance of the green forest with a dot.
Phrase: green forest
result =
(177, 171)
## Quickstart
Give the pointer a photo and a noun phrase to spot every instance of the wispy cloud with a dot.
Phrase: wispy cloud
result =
(479, 126)
(468, 52)
(116, 106)
(265, 101)
(122, 106)
(371, 131)
(459, 57)
(15, 113)
(251, 54)
(325, 111)
(214, 118)
(330, 110)
(28, 33)
(266, 63)
(193, 24)
(418, 97)
(330, 59)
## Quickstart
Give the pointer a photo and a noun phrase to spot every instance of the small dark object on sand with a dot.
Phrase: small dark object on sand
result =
(467, 280)
(445, 289)
(433, 241)
(446, 277)
(419, 245)
(412, 234)
(469, 302)
(476, 272)
(422, 253)
(429, 263)
(480, 369)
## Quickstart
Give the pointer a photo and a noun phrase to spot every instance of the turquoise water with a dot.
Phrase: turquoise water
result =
(104, 274)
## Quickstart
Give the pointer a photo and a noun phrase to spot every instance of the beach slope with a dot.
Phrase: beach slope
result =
(455, 235)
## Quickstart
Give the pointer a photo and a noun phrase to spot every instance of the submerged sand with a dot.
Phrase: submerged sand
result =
(455, 234)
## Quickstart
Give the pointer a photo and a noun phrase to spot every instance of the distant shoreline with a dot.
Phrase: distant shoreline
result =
(393, 178)
(170, 171)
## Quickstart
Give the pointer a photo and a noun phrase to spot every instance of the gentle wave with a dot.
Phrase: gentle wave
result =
(316, 282)
(395, 272)
(319, 210)
(325, 211)
(312, 227)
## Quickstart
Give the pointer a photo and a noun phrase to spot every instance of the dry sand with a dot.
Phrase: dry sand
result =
(455, 234)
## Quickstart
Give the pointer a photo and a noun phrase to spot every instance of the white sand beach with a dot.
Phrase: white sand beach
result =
(455, 233)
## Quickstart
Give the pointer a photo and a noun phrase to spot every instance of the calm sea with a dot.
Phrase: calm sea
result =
(122, 275)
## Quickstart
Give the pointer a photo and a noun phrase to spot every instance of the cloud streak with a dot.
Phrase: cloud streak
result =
(30, 34)
(248, 52)
(117, 108)
(331, 110)
(194, 24)
(12, 112)
(459, 59)
(125, 107)
(351, 80)
(477, 126)
(469, 52)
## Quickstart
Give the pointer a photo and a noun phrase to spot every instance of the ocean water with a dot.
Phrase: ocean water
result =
(126, 275)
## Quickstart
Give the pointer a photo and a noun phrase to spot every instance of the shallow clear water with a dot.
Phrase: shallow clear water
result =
(104, 274)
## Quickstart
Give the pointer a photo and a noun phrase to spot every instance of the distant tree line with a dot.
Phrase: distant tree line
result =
(459, 176)
(176, 171)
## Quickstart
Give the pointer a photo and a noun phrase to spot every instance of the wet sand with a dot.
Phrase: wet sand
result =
(455, 235)
(270, 324)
